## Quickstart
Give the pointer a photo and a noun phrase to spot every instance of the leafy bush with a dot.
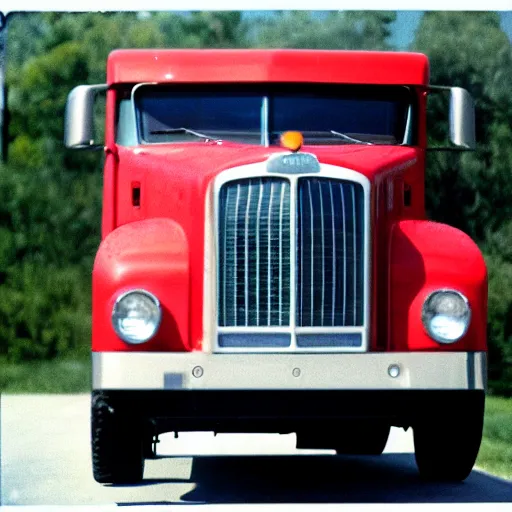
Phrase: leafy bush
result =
(49, 232)
(44, 312)
(499, 263)
(496, 449)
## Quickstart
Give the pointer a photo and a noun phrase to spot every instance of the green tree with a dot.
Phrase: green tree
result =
(73, 49)
(332, 30)
(48, 234)
(473, 191)
(211, 30)
(499, 262)
(50, 198)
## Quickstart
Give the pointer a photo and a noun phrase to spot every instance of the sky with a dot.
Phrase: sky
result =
(404, 28)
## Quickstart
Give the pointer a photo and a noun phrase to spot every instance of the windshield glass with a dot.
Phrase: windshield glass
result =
(324, 114)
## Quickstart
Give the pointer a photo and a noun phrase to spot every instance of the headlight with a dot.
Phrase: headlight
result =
(446, 315)
(136, 316)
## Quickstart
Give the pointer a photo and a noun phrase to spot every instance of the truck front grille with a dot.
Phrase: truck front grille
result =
(330, 239)
(255, 251)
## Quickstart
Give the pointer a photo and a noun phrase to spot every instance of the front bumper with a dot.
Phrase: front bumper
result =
(238, 372)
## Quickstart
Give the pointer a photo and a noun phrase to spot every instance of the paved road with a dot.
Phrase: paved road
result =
(45, 460)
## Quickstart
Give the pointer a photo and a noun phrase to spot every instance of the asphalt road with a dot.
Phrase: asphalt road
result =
(45, 460)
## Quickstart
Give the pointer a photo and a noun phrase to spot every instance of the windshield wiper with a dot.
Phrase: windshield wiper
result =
(170, 131)
(351, 139)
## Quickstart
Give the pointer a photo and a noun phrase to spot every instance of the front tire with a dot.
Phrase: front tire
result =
(446, 450)
(116, 443)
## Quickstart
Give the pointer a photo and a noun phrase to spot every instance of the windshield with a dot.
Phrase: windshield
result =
(324, 114)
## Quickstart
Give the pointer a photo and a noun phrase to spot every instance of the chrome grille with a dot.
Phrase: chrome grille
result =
(255, 256)
(330, 234)
(254, 253)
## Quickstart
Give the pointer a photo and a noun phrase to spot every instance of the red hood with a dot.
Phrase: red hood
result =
(172, 183)
(173, 179)
(197, 162)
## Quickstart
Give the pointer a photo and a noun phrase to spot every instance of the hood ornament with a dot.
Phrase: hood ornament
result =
(294, 162)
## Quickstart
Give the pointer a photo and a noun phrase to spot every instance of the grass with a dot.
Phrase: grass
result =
(496, 450)
(59, 376)
(74, 376)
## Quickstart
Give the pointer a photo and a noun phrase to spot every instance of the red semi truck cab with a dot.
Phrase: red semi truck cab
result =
(266, 264)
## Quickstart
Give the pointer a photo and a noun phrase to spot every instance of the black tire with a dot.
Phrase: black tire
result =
(446, 450)
(366, 439)
(116, 443)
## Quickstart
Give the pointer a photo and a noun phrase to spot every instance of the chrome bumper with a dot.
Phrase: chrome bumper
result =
(368, 371)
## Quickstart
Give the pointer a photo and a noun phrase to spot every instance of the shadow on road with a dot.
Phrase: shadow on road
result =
(390, 478)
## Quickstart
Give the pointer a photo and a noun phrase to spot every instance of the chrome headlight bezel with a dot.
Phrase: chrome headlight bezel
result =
(157, 312)
(427, 316)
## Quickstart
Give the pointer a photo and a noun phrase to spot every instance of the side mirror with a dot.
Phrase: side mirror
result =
(461, 119)
(79, 123)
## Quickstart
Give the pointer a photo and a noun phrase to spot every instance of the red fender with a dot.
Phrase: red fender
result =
(426, 256)
(153, 255)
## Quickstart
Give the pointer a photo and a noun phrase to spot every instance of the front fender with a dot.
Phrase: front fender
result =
(426, 256)
(153, 255)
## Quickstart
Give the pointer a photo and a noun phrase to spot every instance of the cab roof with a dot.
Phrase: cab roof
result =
(251, 66)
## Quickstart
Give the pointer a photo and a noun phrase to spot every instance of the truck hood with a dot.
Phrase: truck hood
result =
(172, 182)
(197, 163)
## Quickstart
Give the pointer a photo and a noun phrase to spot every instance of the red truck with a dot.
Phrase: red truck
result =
(266, 264)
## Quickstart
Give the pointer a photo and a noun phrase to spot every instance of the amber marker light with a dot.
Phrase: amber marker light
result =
(292, 141)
